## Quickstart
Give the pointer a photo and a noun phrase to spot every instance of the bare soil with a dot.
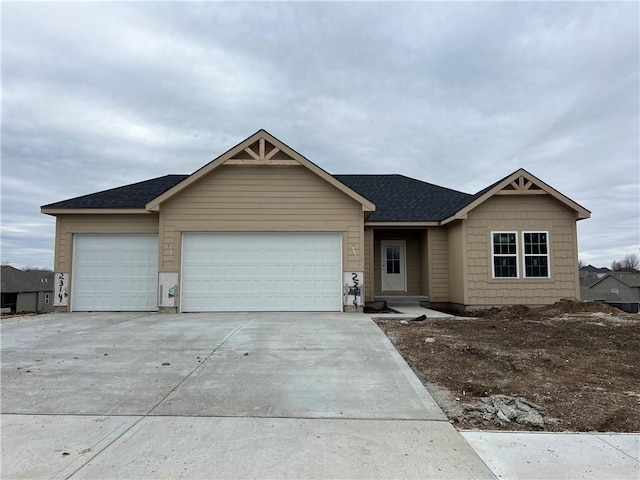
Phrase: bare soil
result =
(580, 361)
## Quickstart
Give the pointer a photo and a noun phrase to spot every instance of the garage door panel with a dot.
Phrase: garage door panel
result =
(261, 271)
(115, 272)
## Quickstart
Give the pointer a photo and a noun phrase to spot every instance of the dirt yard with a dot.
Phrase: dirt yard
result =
(567, 367)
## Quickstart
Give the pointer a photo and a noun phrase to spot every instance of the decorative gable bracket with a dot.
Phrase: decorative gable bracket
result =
(261, 152)
(521, 186)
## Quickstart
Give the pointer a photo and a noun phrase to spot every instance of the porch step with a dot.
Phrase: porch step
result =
(402, 299)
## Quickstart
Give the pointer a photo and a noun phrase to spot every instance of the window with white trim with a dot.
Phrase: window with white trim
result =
(536, 254)
(504, 254)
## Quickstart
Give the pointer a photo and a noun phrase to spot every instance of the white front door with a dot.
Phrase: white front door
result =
(394, 278)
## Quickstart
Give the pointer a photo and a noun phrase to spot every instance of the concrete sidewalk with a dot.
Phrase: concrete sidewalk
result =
(535, 455)
(218, 395)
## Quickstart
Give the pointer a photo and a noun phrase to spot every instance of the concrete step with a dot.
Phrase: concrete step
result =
(402, 299)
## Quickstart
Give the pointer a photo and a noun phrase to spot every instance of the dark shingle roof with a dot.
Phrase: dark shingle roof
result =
(135, 195)
(592, 269)
(397, 198)
(21, 281)
(402, 199)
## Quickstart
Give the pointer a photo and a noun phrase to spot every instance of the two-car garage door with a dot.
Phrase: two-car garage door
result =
(220, 272)
(261, 271)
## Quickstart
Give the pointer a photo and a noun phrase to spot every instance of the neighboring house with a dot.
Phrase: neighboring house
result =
(26, 291)
(263, 228)
(619, 289)
(591, 271)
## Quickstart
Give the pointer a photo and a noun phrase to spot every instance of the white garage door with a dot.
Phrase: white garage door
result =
(261, 272)
(114, 273)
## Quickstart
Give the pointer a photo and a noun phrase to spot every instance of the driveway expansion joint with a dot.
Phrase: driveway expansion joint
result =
(148, 414)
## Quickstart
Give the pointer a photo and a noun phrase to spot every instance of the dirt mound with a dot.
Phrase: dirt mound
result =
(564, 306)
(578, 362)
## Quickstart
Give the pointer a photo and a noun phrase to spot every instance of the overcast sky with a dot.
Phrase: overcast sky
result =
(95, 96)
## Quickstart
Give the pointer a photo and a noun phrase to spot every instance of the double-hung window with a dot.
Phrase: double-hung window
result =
(536, 254)
(505, 254)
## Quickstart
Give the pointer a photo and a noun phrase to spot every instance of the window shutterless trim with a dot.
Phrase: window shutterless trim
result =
(526, 255)
(510, 255)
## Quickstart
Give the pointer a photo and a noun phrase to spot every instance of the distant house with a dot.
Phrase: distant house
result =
(619, 289)
(591, 271)
(26, 291)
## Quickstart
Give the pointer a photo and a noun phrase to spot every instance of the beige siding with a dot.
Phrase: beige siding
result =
(413, 260)
(521, 213)
(368, 265)
(438, 253)
(424, 267)
(457, 259)
(261, 198)
(67, 225)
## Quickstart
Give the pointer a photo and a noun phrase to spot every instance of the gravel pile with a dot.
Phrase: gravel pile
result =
(504, 410)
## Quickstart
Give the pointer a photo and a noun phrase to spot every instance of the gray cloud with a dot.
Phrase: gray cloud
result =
(458, 94)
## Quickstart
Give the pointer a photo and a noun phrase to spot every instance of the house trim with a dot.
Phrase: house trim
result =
(402, 224)
(93, 211)
(261, 159)
(521, 182)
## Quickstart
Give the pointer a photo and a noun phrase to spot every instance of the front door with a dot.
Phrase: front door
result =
(394, 277)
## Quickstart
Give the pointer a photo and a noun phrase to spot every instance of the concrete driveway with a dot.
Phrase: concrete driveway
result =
(282, 395)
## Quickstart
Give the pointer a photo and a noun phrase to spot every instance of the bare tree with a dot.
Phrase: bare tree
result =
(630, 263)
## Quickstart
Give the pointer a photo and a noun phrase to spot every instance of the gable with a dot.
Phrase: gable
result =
(251, 195)
(260, 150)
(618, 279)
(520, 183)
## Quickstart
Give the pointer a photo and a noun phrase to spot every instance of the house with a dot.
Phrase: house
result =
(593, 272)
(262, 228)
(619, 289)
(26, 290)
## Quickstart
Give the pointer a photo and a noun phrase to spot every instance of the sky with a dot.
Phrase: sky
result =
(99, 95)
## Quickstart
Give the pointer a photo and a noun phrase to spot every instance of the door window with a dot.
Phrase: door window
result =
(393, 259)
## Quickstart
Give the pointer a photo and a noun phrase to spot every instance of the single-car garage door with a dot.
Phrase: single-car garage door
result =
(114, 273)
(261, 272)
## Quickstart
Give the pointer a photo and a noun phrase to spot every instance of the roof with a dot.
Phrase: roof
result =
(630, 279)
(592, 269)
(135, 195)
(387, 198)
(396, 197)
(404, 199)
(20, 281)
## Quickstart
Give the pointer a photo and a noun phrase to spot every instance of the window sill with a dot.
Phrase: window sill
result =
(521, 279)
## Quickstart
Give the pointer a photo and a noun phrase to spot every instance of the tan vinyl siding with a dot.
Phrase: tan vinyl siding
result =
(457, 255)
(424, 267)
(67, 225)
(261, 199)
(368, 265)
(520, 214)
(413, 260)
(438, 265)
